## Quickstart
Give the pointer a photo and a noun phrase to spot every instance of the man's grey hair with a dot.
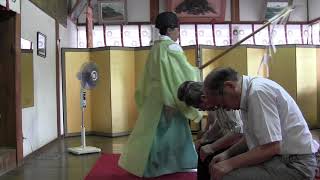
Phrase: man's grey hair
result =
(214, 81)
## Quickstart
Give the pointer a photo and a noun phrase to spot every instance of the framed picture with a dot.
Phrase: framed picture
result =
(198, 11)
(112, 11)
(41, 44)
(273, 7)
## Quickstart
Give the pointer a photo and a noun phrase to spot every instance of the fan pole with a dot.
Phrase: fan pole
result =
(83, 106)
(83, 149)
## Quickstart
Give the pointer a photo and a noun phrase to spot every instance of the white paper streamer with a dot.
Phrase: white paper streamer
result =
(280, 18)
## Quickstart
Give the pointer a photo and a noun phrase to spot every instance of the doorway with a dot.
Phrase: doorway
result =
(10, 103)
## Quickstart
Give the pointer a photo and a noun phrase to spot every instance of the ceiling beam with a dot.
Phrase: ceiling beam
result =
(89, 25)
(235, 15)
(154, 10)
(77, 9)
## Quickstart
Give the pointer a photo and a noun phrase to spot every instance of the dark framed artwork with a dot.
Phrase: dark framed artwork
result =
(112, 11)
(273, 7)
(198, 11)
(41, 44)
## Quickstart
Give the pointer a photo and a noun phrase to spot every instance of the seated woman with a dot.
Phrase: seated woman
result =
(223, 129)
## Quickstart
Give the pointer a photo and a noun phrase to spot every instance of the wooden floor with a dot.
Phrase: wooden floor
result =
(53, 162)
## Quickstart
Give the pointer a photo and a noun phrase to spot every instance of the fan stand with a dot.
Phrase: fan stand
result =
(83, 149)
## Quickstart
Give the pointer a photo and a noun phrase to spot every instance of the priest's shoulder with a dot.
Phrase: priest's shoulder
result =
(175, 47)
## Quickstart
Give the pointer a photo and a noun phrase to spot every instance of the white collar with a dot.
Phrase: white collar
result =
(164, 37)
(244, 88)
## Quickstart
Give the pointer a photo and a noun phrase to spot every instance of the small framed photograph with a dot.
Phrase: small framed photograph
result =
(273, 7)
(112, 11)
(41, 44)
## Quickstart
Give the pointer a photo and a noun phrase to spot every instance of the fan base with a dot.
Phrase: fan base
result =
(84, 150)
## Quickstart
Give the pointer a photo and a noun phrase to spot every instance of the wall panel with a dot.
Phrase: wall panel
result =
(122, 72)
(73, 63)
(27, 82)
(307, 84)
(283, 69)
(101, 94)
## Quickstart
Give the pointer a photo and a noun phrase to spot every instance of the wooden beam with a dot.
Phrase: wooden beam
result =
(235, 15)
(77, 9)
(89, 25)
(154, 10)
(17, 67)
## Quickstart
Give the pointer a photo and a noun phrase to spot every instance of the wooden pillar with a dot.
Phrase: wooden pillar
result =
(235, 15)
(17, 67)
(58, 95)
(89, 25)
(154, 10)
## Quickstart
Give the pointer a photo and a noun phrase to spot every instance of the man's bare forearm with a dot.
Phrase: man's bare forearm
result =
(238, 148)
(226, 141)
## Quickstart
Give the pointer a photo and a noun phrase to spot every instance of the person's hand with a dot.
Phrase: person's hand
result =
(205, 151)
(200, 134)
(218, 170)
(218, 158)
(197, 144)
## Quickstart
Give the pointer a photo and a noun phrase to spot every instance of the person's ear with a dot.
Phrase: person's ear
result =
(170, 30)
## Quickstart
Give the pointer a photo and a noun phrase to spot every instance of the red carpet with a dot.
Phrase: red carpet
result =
(106, 168)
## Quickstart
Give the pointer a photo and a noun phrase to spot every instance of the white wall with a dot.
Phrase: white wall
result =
(68, 38)
(39, 123)
(314, 11)
(301, 11)
(63, 36)
(138, 10)
(251, 10)
(72, 34)
(228, 11)
(162, 6)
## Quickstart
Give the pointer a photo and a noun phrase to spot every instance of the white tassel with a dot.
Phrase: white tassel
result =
(271, 48)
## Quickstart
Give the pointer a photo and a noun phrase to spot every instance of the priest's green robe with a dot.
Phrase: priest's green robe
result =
(161, 141)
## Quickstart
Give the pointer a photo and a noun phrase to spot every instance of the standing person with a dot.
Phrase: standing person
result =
(223, 129)
(276, 133)
(161, 141)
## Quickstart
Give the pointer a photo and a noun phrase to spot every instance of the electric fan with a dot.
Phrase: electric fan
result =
(88, 77)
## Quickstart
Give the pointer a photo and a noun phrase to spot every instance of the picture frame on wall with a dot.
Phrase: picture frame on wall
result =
(41, 44)
(273, 7)
(112, 11)
(198, 11)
